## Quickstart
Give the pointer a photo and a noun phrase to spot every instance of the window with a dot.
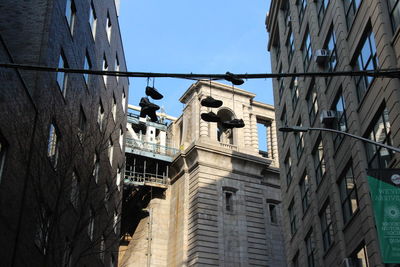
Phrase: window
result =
(294, 89)
(360, 257)
(288, 168)
(312, 103)
(116, 67)
(301, 6)
(100, 116)
(62, 78)
(121, 137)
(53, 145)
(330, 45)
(110, 151)
(109, 27)
(91, 223)
(42, 230)
(322, 5)
(228, 201)
(348, 193)
(351, 7)
(281, 83)
(305, 192)
(3, 153)
(96, 168)
(115, 223)
(118, 180)
(307, 52)
(272, 213)
(67, 261)
(277, 51)
(379, 157)
(102, 248)
(70, 14)
(299, 137)
(292, 218)
(286, 14)
(123, 100)
(319, 162)
(92, 19)
(87, 65)
(341, 120)
(74, 197)
(284, 122)
(82, 124)
(310, 247)
(114, 108)
(394, 9)
(326, 226)
(107, 195)
(290, 46)
(366, 60)
(105, 68)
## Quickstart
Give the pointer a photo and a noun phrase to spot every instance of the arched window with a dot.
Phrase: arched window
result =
(225, 135)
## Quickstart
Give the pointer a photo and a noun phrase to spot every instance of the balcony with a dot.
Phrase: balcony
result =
(150, 150)
(148, 179)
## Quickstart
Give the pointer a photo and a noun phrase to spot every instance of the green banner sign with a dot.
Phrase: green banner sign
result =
(385, 193)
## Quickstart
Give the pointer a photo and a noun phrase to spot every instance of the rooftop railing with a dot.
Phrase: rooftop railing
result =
(151, 147)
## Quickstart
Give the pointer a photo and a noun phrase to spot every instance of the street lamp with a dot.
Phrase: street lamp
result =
(297, 129)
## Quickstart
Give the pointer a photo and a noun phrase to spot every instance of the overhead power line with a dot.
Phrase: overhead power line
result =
(384, 73)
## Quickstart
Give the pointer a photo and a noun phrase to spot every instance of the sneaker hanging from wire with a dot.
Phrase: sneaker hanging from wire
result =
(233, 78)
(210, 117)
(153, 93)
(210, 102)
(235, 123)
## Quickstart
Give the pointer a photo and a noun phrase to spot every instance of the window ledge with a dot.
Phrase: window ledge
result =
(361, 102)
(349, 222)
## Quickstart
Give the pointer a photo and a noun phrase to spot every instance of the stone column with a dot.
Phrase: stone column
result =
(274, 144)
(247, 129)
(253, 132)
(203, 124)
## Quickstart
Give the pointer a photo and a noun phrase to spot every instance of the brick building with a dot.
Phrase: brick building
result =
(61, 135)
(326, 203)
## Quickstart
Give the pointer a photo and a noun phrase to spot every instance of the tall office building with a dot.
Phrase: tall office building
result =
(327, 207)
(61, 134)
(220, 202)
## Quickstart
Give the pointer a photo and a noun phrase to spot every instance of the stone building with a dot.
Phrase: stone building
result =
(221, 204)
(61, 135)
(328, 219)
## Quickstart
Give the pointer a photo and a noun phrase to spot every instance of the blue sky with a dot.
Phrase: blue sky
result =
(189, 36)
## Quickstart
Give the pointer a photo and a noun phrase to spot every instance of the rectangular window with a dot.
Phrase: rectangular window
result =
(74, 197)
(87, 65)
(105, 68)
(322, 5)
(299, 138)
(348, 193)
(70, 14)
(288, 168)
(100, 116)
(394, 9)
(326, 226)
(62, 78)
(292, 217)
(281, 83)
(290, 46)
(96, 168)
(53, 145)
(284, 122)
(365, 60)
(351, 7)
(116, 67)
(379, 157)
(123, 100)
(115, 223)
(92, 19)
(3, 153)
(294, 89)
(228, 201)
(81, 125)
(42, 230)
(102, 248)
(121, 138)
(114, 108)
(330, 45)
(305, 192)
(109, 27)
(319, 162)
(310, 247)
(118, 180)
(307, 51)
(272, 213)
(286, 14)
(360, 257)
(312, 103)
(91, 223)
(340, 123)
(107, 195)
(110, 151)
(301, 6)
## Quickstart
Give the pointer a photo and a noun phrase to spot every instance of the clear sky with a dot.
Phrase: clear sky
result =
(187, 36)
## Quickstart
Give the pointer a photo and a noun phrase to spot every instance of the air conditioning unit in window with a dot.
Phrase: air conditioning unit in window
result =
(327, 116)
(321, 55)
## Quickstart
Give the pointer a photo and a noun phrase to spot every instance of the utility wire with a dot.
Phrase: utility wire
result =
(384, 73)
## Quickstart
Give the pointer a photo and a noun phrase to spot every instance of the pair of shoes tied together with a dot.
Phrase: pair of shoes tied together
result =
(153, 93)
(235, 123)
(211, 102)
(210, 117)
(148, 109)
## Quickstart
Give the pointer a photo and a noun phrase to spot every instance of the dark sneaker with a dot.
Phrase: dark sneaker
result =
(211, 102)
(153, 116)
(153, 93)
(145, 103)
(235, 123)
(233, 78)
(210, 117)
(139, 127)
